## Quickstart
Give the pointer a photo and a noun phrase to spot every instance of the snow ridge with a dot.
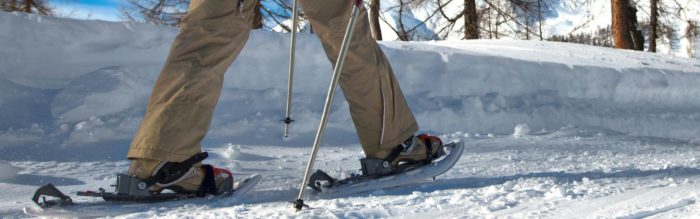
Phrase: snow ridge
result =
(90, 90)
(551, 130)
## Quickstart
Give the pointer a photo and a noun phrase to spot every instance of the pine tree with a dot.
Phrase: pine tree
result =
(653, 24)
(625, 28)
(471, 22)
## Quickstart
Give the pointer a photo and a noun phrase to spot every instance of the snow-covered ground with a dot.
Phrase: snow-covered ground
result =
(600, 132)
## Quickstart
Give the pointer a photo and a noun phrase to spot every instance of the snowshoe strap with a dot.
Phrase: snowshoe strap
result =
(403, 146)
(208, 185)
(173, 171)
(51, 191)
(428, 148)
(429, 141)
(400, 148)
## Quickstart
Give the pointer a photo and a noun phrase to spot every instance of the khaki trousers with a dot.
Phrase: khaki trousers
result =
(213, 33)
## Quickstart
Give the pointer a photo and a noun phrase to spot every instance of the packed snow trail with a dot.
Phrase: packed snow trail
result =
(582, 172)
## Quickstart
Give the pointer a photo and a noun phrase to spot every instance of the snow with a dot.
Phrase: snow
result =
(551, 130)
(521, 130)
(7, 171)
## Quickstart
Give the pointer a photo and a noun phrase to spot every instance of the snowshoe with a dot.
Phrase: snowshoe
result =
(382, 174)
(93, 209)
(130, 188)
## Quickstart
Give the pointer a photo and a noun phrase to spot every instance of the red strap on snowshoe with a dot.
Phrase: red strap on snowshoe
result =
(429, 141)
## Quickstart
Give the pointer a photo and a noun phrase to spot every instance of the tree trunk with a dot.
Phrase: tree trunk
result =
(374, 19)
(636, 32)
(490, 25)
(539, 17)
(527, 28)
(691, 33)
(621, 35)
(653, 25)
(258, 18)
(28, 6)
(625, 30)
(471, 22)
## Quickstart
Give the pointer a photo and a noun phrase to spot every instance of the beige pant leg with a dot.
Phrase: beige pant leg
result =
(179, 111)
(377, 105)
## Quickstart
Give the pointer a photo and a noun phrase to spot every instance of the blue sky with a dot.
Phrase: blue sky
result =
(88, 9)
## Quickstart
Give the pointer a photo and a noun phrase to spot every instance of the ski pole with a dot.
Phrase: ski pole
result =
(299, 203)
(295, 19)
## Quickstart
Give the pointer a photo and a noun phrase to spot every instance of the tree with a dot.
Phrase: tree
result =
(278, 14)
(405, 25)
(471, 20)
(691, 33)
(625, 28)
(653, 24)
(161, 12)
(8, 5)
(167, 12)
(28, 6)
(258, 18)
(539, 17)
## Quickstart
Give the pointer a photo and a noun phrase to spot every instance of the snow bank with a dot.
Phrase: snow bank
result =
(76, 90)
(106, 91)
(7, 171)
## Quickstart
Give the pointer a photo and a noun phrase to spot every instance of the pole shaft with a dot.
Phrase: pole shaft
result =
(329, 98)
(290, 79)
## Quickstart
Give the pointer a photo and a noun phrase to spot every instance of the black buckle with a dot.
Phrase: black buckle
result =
(51, 191)
(317, 179)
(375, 167)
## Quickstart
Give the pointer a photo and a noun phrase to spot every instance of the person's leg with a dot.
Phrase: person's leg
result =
(180, 109)
(377, 105)
(179, 112)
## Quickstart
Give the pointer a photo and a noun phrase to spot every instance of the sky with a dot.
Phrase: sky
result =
(107, 10)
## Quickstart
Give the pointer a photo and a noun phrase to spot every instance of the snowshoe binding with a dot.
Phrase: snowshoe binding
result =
(414, 152)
